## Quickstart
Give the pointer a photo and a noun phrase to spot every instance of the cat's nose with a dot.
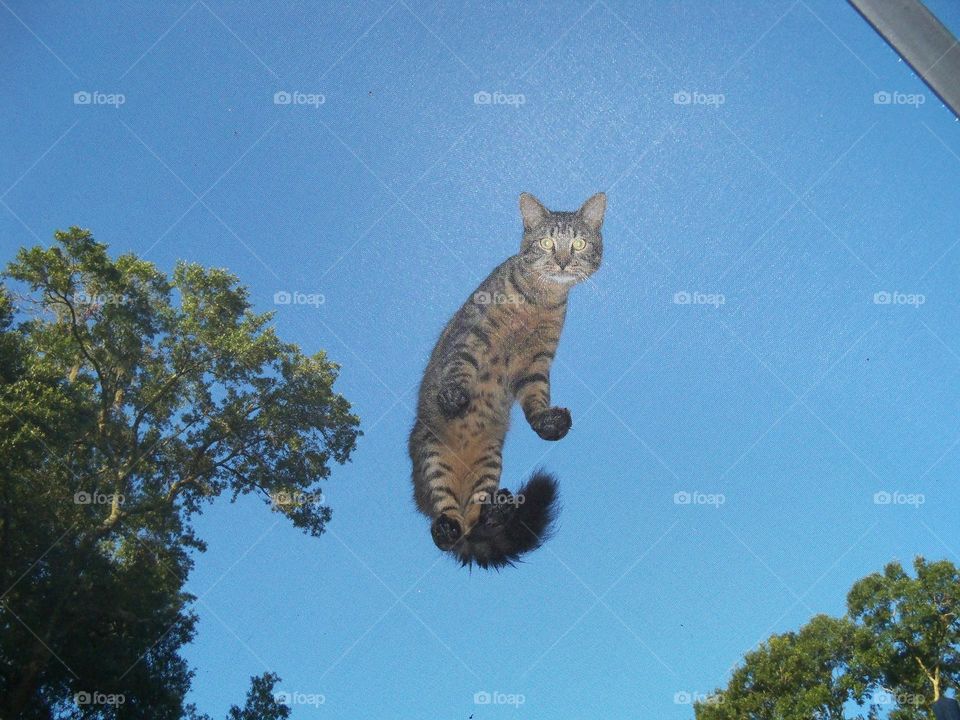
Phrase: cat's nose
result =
(563, 262)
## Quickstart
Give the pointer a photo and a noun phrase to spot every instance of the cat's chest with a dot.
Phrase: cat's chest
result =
(519, 326)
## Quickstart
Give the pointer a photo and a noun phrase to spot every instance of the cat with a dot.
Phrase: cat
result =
(497, 349)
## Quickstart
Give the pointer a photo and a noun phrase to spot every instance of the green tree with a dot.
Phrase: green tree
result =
(908, 636)
(261, 703)
(793, 676)
(891, 655)
(123, 411)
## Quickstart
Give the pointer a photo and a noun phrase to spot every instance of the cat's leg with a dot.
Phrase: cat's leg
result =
(436, 485)
(449, 525)
(459, 372)
(484, 482)
(532, 389)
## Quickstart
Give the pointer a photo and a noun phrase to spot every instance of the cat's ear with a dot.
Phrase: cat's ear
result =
(592, 211)
(532, 211)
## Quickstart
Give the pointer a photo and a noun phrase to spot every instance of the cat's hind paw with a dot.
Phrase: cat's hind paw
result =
(446, 531)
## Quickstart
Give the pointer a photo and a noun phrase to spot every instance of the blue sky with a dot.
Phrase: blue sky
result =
(781, 200)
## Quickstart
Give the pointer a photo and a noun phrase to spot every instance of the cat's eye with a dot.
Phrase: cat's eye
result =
(546, 243)
(579, 244)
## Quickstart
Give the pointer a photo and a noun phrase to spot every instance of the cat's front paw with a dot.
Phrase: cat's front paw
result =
(446, 531)
(552, 423)
(453, 400)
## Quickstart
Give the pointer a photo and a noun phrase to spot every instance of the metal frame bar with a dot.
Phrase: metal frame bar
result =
(920, 39)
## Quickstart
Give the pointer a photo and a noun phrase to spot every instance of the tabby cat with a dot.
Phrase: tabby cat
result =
(497, 349)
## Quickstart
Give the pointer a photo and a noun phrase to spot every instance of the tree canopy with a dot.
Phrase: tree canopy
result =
(128, 401)
(892, 655)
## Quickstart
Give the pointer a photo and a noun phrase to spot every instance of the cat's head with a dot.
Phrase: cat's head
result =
(561, 247)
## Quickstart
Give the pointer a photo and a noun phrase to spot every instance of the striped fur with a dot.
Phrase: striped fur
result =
(496, 350)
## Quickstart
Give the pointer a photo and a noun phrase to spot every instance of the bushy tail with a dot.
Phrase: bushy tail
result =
(512, 525)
